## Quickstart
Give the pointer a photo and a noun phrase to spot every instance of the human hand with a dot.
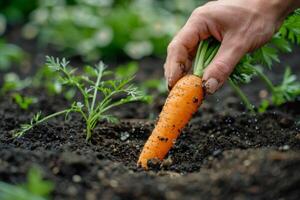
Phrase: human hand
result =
(240, 25)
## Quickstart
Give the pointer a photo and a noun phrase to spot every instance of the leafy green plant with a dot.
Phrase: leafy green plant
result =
(99, 94)
(252, 65)
(46, 79)
(34, 189)
(23, 101)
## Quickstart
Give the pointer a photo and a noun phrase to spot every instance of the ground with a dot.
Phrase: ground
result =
(224, 153)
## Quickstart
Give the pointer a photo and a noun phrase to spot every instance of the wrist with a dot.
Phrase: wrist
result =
(277, 10)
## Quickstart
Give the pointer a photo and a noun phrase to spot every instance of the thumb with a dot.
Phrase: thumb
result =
(216, 73)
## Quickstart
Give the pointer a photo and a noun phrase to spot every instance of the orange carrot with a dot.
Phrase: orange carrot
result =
(183, 101)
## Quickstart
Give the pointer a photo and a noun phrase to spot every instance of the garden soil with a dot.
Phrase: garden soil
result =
(224, 153)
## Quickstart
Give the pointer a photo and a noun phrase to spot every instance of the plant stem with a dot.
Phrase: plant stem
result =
(96, 90)
(199, 62)
(18, 134)
(211, 56)
(88, 132)
(51, 116)
(206, 52)
(265, 79)
(243, 97)
(81, 90)
(198, 54)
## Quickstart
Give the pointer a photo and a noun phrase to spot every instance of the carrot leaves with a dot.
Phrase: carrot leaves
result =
(253, 64)
(267, 55)
(99, 92)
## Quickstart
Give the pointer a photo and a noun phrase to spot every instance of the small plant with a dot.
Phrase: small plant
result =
(99, 94)
(34, 189)
(9, 54)
(46, 78)
(12, 82)
(23, 101)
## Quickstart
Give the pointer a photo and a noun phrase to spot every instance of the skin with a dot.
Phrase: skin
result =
(240, 25)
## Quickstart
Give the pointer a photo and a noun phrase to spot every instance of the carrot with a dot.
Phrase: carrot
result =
(182, 102)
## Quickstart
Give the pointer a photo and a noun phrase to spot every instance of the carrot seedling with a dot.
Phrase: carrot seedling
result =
(99, 94)
(23, 101)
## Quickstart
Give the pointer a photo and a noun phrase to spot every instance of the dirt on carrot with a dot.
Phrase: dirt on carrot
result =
(183, 101)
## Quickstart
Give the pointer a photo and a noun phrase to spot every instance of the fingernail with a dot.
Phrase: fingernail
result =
(168, 83)
(211, 85)
(168, 86)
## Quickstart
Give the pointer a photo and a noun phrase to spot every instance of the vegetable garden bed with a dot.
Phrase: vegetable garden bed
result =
(223, 153)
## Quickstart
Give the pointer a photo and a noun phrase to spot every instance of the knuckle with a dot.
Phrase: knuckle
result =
(172, 46)
(223, 68)
(240, 46)
(165, 67)
(198, 11)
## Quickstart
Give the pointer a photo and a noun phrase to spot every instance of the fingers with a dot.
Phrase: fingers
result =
(217, 72)
(182, 48)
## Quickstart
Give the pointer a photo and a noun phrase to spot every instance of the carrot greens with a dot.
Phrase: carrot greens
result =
(98, 93)
(253, 64)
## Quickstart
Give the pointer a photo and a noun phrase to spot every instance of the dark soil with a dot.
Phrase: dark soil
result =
(224, 153)
(220, 155)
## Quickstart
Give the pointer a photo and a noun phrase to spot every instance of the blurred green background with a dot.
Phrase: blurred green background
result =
(89, 30)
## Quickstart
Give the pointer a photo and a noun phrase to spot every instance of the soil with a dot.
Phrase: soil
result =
(224, 153)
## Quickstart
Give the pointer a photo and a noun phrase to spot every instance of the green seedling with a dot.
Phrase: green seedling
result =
(34, 189)
(9, 54)
(127, 70)
(46, 78)
(99, 94)
(23, 101)
(288, 90)
(12, 82)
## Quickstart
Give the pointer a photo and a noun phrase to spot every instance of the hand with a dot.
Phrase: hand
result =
(240, 25)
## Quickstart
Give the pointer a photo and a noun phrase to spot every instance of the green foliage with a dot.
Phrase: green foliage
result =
(46, 78)
(34, 189)
(98, 90)
(94, 29)
(264, 56)
(282, 41)
(12, 82)
(158, 85)
(23, 101)
(9, 54)
(17, 11)
(263, 106)
(288, 90)
(127, 70)
(249, 66)
(290, 29)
